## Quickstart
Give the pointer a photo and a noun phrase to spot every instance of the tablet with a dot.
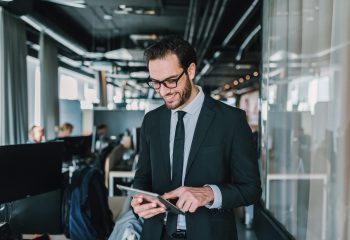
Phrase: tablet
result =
(169, 206)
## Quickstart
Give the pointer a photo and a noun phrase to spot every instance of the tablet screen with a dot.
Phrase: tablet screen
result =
(170, 207)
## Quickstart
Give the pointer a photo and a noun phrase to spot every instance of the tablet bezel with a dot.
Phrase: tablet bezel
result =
(170, 207)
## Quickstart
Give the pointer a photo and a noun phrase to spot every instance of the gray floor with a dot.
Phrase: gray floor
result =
(243, 233)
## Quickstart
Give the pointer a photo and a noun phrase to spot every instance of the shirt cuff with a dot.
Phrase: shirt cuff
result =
(217, 203)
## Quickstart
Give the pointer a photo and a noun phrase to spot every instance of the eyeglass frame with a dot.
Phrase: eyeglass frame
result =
(176, 80)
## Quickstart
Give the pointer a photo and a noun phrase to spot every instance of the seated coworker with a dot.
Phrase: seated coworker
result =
(115, 159)
(36, 134)
(65, 130)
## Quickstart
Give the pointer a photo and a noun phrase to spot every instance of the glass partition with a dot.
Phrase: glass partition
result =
(305, 125)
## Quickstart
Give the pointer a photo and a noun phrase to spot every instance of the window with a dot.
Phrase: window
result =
(305, 116)
(75, 86)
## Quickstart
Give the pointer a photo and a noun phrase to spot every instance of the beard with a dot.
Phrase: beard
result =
(183, 94)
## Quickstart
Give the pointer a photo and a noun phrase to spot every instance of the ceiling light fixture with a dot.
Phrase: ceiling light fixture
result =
(128, 9)
(121, 53)
(243, 66)
(70, 3)
(149, 12)
(139, 74)
(69, 61)
(123, 9)
(240, 22)
(107, 17)
(41, 27)
(247, 41)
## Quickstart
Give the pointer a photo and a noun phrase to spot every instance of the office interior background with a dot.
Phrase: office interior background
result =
(286, 63)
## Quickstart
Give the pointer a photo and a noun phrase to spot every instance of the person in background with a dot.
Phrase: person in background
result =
(36, 134)
(102, 140)
(65, 130)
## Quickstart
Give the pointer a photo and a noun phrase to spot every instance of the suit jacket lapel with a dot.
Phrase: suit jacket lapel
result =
(164, 128)
(205, 118)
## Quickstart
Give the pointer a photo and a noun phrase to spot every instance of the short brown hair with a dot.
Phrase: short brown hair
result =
(172, 44)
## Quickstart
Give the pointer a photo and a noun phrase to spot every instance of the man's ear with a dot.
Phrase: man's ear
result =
(191, 71)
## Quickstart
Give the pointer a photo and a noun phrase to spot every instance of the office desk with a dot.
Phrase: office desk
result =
(118, 174)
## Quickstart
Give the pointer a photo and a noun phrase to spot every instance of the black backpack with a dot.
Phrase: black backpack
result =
(86, 214)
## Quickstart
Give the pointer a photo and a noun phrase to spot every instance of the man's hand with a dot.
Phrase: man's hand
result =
(146, 207)
(191, 198)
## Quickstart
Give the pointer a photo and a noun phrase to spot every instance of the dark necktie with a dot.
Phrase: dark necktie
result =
(178, 151)
(178, 159)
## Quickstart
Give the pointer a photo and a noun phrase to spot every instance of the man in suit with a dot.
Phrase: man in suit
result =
(195, 151)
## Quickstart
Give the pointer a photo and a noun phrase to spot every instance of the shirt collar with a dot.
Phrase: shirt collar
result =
(194, 105)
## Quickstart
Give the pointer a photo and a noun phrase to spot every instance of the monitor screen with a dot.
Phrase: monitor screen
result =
(136, 139)
(77, 146)
(29, 169)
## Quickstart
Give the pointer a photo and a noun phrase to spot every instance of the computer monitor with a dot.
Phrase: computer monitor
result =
(77, 146)
(29, 169)
(136, 139)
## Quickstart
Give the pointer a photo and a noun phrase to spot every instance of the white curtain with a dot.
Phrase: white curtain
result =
(340, 184)
(306, 116)
(49, 85)
(13, 81)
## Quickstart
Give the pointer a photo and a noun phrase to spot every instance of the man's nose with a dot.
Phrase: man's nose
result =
(163, 90)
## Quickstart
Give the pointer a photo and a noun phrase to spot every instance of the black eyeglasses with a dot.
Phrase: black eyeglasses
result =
(168, 83)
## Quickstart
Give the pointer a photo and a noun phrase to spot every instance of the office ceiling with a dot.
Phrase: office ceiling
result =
(112, 34)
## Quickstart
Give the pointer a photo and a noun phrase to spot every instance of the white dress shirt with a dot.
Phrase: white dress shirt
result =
(190, 121)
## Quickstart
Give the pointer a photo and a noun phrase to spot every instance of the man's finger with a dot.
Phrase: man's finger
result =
(174, 194)
(152, 212)
(136, 201)
(153, 200)
(180, 203)
(186, 206)
(193, 208)
(144, 207)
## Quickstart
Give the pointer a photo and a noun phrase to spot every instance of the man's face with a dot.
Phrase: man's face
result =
(169, 68)
(65, 133)
(102, 132)
(38, 134)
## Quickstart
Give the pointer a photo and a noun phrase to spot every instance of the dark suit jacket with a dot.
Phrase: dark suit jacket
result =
(222, 153)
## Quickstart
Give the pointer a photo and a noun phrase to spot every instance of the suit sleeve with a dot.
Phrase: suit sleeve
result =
(245, 186)
(143, 175)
